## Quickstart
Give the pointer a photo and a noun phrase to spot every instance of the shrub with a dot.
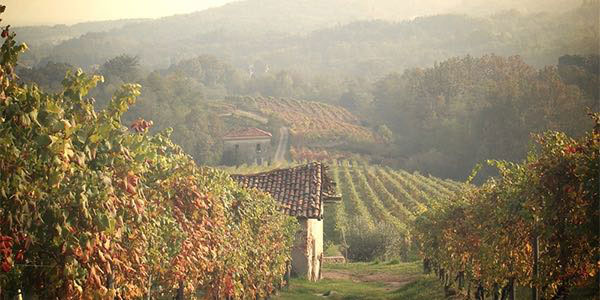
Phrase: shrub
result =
(380, 242)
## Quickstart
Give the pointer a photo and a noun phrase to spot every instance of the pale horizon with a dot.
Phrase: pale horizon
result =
(69, 12)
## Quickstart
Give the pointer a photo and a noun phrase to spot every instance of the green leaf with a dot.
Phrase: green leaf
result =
(111, 225)
(104, 130)
(94, 138)
(33, 115)
(52, 107)
(44, 140)
(25, 120)
(104, 222)
(58, 229)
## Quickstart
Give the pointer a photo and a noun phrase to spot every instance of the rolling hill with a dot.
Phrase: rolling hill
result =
(305, 35)
(311, 123)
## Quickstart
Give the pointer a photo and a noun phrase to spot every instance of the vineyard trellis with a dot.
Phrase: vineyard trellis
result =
(391, 202)
(356, 205)
(535, 225)
(316, 122)
(398, 188)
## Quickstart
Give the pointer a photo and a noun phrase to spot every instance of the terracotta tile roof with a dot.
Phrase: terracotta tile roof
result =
(301, 190)
(247, 133)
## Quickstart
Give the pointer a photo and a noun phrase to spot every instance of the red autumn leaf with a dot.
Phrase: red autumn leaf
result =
(6, 266)
(19, 256)
(570, 149)
(141, 125)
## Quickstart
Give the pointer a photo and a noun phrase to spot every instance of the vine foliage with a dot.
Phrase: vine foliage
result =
(90, 208)
(488, 232)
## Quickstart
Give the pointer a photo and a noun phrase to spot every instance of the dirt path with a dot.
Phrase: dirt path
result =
(391, 281)
(282, 145)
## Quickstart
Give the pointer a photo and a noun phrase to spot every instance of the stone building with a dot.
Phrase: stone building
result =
(302, 192)
(247, 146)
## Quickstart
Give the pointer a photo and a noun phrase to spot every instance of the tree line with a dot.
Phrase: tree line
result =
(440, 120)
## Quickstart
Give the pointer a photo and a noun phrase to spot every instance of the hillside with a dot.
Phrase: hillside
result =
(289, 35)
(311, 123)
(374, 194)
(306, 15)
(39, 35)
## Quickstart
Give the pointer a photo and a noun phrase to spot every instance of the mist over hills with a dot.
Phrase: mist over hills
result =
(40, 35)
(306, 15)
(378, 69)
(334, 36)
(460, 136)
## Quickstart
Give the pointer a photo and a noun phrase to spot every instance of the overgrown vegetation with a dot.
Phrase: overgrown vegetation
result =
(365, 243)
(535, 225)
(90, 209)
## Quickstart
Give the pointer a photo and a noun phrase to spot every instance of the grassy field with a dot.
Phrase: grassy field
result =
(387, 280)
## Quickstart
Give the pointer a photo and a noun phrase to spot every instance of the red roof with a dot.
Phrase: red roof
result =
(301, 191)
(248, 133)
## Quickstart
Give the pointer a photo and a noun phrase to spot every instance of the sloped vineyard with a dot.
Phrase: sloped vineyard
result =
(385, 199)
(311, 123)
(536, 225)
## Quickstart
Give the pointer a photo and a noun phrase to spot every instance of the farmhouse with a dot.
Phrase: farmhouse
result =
(246, 145)
(302, 192)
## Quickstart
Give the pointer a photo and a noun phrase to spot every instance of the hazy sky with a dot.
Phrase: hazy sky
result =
(48, 12)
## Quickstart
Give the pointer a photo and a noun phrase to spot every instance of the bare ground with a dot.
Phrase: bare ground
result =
(392, 281)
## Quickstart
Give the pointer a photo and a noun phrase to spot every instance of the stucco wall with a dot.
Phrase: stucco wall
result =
(247, 149)
(307, 252)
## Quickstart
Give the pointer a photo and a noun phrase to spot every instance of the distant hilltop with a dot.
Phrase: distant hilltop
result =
(317, 36)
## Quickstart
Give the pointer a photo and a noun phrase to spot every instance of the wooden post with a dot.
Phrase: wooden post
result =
(536, 267)
(512, 291)
(110, 282)
(180, 293)
(496, 291)
(598, 279)
(345, 246)
(149, 287)
(480, 292)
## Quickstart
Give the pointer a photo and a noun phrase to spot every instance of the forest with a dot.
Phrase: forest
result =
(440, 120)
